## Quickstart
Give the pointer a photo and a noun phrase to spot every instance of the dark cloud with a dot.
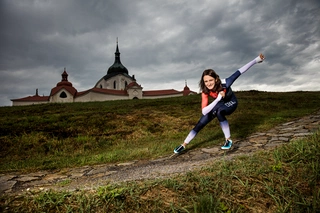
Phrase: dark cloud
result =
(163, 43)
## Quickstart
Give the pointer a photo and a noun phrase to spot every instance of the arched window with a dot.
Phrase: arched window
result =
(114, 85)
(63, 95)
(125, 84)
(100, 86)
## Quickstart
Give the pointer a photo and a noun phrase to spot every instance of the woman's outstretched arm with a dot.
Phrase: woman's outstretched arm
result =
(229, 81)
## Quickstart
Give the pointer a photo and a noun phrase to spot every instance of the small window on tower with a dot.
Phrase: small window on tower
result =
(114, 85)
(63, 95)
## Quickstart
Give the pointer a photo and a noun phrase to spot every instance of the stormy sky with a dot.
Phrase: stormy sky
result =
(162, 42)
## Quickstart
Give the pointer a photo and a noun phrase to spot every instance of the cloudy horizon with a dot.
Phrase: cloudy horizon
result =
(163, 43)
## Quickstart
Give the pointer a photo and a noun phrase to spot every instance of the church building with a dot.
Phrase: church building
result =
(117, 84)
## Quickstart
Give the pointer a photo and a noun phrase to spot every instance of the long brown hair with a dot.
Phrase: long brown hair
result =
(217, 87)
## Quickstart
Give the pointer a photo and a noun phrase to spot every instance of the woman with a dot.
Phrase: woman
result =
(225, 102)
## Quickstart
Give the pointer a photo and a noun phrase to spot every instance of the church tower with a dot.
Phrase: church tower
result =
(64, 91)
(117, 67)
(117, 77)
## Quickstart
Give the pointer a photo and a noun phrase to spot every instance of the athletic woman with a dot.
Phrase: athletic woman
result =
(225, 102)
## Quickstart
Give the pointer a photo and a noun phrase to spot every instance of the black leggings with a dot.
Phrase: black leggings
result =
(220, 111)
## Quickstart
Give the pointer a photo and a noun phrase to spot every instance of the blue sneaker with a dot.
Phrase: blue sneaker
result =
(179, 149)
(227, 144)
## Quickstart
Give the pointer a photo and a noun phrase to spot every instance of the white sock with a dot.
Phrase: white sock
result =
(225, 128)
(247, 66)
(250, 64)
(190, 136)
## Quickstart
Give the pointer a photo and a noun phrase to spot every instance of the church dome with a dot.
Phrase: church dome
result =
(64, 84)
(117, 67)
(64, 81)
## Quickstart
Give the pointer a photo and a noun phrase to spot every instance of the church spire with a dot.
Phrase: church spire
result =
(64, 75)
(117, 66)
(64, 81)
(117, 54)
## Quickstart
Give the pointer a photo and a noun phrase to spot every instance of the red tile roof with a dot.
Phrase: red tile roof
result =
(187, 91)
(132, 84)
(70, 89)
(160, 92)
(33, 98)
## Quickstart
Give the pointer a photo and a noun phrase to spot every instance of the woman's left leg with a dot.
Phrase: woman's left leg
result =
(227, 109)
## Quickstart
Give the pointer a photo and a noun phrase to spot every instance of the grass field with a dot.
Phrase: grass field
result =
(69, 135)
(66, 135)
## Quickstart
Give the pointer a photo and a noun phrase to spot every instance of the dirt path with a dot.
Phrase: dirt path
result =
(89, 177)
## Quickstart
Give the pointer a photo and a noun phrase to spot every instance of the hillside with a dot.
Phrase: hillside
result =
(65, 135)
(114, 157)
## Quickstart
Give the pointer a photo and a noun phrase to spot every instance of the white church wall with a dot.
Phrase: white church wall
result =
(25, 103)
(135, 93)
(57, 99)
(162, 96)
(101, 84)
(118, 82)
(93, 96)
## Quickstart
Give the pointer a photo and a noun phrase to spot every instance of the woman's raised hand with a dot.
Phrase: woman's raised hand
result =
(260, 58)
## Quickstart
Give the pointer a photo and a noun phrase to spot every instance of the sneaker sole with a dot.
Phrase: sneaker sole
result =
(175, 152)
(225, 148)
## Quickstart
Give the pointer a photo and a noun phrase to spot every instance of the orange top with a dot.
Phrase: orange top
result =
(205, 97)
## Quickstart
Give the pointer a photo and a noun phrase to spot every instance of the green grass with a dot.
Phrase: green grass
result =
(54, 136)
(286, 179)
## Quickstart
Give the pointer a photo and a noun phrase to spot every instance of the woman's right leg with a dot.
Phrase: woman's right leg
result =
(204, 120)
